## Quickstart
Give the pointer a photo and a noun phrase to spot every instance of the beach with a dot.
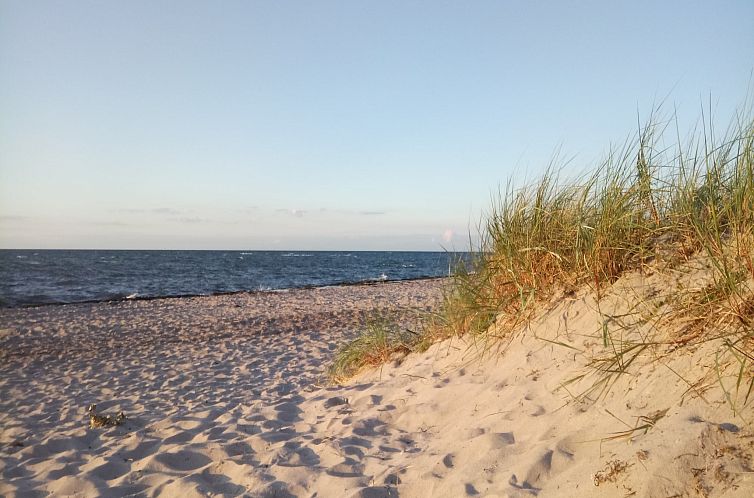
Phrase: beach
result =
(206, 383)
(227, 396)
(376, 249)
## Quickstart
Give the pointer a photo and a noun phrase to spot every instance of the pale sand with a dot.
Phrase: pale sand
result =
(223, 397)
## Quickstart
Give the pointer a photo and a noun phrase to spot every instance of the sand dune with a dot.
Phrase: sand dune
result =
(224, 396)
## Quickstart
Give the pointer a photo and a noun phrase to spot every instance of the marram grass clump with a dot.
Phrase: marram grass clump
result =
(379, 341)
(651, 204)
(644, 204)
(647, 207)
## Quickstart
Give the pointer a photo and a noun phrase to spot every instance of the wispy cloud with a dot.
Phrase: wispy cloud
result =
(165, 210)
(189, 219)
(248, 210)
(324, 211)
(158, 210)
(298, 213)
(110, 223)
(6, 217)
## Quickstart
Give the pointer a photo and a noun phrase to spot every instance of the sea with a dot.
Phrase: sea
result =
(37, 277)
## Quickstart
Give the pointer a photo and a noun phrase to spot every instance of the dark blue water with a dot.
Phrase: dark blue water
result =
(45, 277)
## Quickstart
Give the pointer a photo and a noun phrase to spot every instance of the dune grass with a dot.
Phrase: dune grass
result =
(381, 339)
(647, 205)
(641, 204)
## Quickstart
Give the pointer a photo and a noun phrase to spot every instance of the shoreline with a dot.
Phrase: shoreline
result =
(226, 293)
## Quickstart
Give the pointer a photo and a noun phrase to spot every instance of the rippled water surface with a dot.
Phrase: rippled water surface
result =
(41, 277)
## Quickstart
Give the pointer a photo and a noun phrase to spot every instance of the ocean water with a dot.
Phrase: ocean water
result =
(29, 277)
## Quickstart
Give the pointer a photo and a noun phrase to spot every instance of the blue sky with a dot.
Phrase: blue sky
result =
(327, 125)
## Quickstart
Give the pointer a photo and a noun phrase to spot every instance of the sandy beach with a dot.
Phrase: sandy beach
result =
(382, 249)
(225, 396)
(211, 387)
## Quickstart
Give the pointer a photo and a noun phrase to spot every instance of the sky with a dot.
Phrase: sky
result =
(351, 125)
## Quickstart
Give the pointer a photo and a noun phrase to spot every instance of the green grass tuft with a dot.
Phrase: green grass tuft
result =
(381, 340)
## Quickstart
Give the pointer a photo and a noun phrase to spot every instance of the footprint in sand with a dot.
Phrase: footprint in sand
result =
(238, 448)
(538, 411)
(550, 464)
(111, 470)
(376, 492)
(179, 438)
(183, 460)
(348, 468)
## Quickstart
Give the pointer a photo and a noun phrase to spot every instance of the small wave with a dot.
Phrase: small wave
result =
(132, 296)
(79, 278)
(381, 278)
